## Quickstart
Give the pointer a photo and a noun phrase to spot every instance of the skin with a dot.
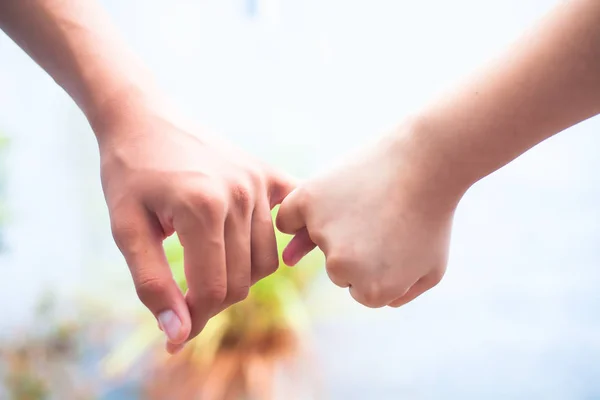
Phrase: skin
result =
(160, 174)
(404, 190)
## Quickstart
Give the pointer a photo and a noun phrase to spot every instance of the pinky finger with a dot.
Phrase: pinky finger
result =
(420, 287)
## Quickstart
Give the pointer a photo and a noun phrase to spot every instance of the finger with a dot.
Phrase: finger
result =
(290, 216)
(420, 287)
(377, 294)
(338, 271)
(280, 186)
(173, 348)
(265, 258)
(300, 245)
(139, 237)
(202, 238)
(238, 257)
(365, 298)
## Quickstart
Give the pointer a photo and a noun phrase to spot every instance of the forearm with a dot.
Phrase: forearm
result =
(74, 41)
(546, 83)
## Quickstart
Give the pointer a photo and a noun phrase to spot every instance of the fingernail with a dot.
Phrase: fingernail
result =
(170, 324)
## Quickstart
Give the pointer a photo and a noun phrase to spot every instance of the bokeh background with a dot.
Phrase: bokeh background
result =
(301, 83)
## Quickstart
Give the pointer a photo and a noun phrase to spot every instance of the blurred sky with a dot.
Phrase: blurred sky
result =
(300, 83)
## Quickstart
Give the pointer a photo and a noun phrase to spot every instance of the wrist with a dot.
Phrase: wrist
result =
(433, 173)
(126, 107)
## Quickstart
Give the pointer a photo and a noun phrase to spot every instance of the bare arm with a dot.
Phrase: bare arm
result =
(547, 82)
(76, 43)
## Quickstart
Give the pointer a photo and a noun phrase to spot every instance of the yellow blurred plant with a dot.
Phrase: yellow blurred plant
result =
(240, 351)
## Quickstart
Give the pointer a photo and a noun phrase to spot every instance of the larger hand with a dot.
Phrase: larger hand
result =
(159, 179)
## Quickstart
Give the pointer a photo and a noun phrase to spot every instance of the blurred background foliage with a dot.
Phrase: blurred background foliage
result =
(251, 351)
(55, 360)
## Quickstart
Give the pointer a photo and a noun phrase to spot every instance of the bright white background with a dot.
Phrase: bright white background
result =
(300, 83)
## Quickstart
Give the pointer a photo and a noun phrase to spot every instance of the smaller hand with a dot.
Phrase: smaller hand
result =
(383, 226)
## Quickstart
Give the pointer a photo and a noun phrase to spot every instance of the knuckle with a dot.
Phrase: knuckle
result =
(239, 293)
(372, 296)
(214, 206)
(337, 265)
(256, 176)
(124, 233)
(319, 237)
(210, 200)
(267, 265)
(271, 263)
(302, 195)
(209, 204)
(334, 264)
(242, 197)
(337, 268)
(265, 222)
(214, 294)
(149, 289)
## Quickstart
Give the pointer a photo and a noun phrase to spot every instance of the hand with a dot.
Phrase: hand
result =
(382, 224)
(159, 179)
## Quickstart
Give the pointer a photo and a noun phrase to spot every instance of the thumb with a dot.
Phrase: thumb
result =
(140, 241)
